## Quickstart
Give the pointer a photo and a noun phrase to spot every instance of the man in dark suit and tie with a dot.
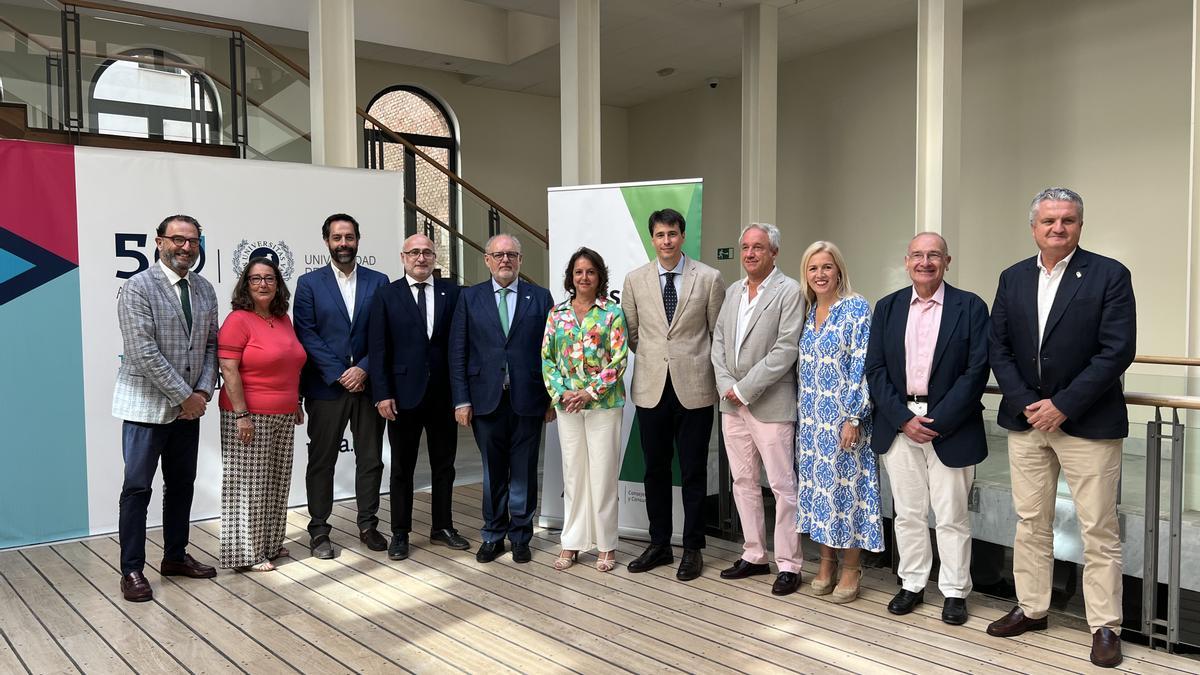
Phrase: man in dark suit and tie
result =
(496, 377)
(331, 312)
(1064, 328)
(927, 366)
(410, 326)
(168, 319)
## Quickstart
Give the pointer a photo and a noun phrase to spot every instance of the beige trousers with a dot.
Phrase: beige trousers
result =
(1093, 470)
(920, 481)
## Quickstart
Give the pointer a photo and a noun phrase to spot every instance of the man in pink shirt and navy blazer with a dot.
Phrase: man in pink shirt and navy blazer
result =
(927, 365)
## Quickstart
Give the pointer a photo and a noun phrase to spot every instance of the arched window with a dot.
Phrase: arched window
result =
(423, 121)
(150, 93)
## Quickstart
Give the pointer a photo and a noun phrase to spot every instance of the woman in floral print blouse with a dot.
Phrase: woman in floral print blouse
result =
(583, 366)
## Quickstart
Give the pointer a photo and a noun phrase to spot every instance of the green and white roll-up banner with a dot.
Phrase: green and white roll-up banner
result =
(612, 220)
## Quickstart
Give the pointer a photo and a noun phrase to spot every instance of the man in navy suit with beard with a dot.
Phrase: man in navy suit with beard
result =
(331, 312)
(496, 378)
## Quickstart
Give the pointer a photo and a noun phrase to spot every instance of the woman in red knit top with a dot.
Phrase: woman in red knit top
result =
(260, 362)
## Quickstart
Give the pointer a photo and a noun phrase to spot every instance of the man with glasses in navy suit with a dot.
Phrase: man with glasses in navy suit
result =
(496, 381)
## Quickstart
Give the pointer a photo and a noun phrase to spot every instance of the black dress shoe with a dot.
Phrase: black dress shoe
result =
(374, 540)
(652, 557)
(691, 563)
(398, 550)
(489, 551)
(188, 567)
(786, 583)
(521, 553)
(1106, 648)
(321, 547)
(1015, 623)
(742, 569)
(135, 587)
(449, 537)
(954, 611)
(905, 601)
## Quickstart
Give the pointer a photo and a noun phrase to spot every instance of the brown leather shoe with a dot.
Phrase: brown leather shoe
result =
(1106, 648)
(135, 587)
(1014, 623)
(188, 567)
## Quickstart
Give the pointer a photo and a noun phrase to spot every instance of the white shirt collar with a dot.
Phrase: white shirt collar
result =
(172, 277)
(678, 266)
(746, 280)
(512, 287)
(413, 282)
(337, 273)
(1061, 265)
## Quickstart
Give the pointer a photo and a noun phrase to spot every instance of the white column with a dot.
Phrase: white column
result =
(1191, 484)
(939, 116)
(579, 73)
(760, 112)
(331, 93)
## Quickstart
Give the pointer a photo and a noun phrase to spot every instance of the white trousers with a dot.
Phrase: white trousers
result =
(591, 459)
(919, 479)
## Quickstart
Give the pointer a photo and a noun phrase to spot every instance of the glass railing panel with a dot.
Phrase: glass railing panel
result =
(142, 77)
(277, 108)
(30, 60)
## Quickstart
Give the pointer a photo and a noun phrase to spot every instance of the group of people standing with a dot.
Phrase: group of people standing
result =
(811, 384)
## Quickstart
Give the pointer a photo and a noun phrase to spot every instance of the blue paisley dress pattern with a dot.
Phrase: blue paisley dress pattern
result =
(838, 490)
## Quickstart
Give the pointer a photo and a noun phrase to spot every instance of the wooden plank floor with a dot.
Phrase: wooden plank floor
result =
(440, 611)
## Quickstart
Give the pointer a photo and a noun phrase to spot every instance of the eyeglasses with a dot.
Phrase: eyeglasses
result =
(260, 280)
(421, 253)
(933, 257)
(504, 255)
(180, 241)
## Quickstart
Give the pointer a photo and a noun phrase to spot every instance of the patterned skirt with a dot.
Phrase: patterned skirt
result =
(255, 479)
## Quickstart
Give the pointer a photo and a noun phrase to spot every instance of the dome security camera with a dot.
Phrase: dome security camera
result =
(712, 82)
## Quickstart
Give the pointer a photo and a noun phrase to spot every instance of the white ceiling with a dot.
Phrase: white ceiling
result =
(699, 39)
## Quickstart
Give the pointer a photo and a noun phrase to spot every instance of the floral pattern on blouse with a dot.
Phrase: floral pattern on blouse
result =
(586, 353)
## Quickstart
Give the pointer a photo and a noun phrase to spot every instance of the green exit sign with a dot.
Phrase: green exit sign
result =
(725, 253)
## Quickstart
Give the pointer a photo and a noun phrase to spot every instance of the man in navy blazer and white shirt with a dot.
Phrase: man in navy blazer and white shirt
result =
(331, 312)
(927, 366)
(496, 376)
(1064, 329)
(410, 328)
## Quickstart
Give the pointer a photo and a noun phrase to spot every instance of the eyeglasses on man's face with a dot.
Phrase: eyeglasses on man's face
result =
(933, 257)
(504, 255)
(262, 280)
(179, 241)
(421, 253)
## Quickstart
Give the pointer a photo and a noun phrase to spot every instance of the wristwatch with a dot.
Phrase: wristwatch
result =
(854, 422)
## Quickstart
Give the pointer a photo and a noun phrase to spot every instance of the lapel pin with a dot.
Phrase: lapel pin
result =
(1078, 275)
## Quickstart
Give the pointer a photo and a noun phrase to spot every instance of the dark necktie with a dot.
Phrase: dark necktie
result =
(670, 298)
(185, 299)
(422, 306)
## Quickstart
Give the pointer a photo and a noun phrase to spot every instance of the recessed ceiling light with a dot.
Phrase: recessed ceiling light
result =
(663, 72)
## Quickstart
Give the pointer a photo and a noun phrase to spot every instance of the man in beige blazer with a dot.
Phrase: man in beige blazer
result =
(754, 357)
(671, 306)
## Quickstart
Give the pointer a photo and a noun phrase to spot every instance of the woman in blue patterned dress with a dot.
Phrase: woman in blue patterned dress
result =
(838, 481)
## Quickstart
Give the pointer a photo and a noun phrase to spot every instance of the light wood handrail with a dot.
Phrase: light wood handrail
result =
(1167, 360)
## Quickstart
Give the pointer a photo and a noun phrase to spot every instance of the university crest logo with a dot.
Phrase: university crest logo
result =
(278, 251)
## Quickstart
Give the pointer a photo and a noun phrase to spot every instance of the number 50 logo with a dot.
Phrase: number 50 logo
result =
(131, 246)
